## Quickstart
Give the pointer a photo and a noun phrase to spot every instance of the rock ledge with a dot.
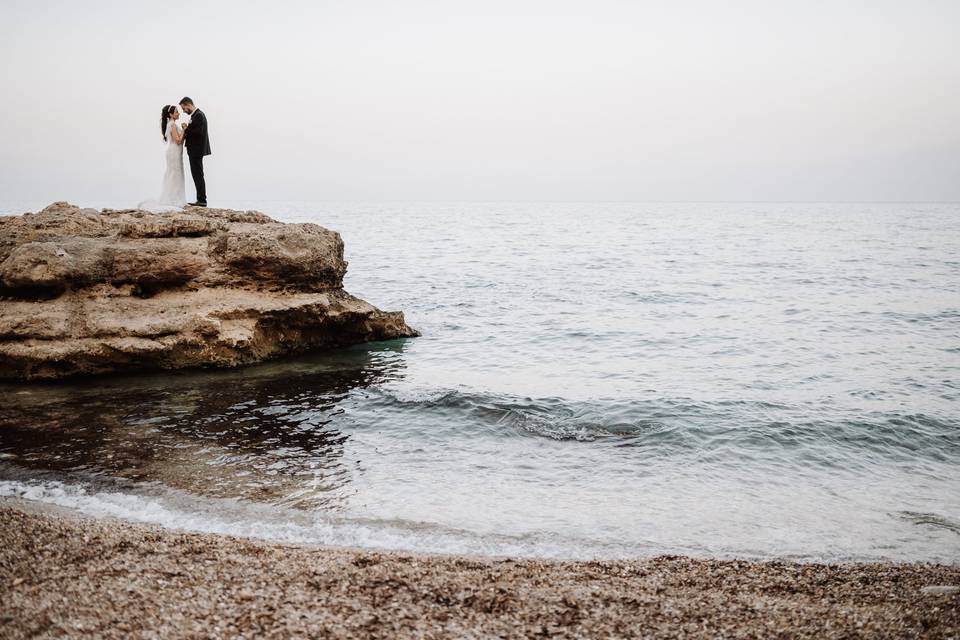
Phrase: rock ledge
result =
(89, 292)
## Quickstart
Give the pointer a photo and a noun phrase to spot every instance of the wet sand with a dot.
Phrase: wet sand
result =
(66, 576)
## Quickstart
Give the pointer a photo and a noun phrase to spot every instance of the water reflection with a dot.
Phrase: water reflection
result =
(268, 433)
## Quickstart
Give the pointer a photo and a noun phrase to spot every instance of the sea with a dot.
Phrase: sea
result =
(594, 380)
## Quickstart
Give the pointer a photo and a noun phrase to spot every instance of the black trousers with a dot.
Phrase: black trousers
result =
(196, 170)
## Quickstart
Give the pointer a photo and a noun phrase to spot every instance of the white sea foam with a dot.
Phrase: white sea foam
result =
(177, 510)
(181, 511)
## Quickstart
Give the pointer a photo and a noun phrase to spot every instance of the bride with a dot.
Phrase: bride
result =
(172, 193)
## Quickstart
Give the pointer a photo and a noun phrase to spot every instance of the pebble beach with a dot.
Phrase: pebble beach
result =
(62, 575)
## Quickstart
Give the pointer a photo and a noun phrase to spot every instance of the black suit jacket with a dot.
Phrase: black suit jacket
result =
(198, 142)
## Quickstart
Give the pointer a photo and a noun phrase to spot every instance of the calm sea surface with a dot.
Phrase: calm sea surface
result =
(593, 380)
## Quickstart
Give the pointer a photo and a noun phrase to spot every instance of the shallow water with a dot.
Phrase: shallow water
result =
(593, 380)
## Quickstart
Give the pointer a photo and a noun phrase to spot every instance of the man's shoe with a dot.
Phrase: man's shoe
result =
(197, 204)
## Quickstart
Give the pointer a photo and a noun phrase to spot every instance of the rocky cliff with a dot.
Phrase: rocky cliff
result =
(87, 292)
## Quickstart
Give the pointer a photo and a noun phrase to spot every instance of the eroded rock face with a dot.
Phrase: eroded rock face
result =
(84, 291)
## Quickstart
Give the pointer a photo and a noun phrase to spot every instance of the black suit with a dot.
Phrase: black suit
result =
(198, 145)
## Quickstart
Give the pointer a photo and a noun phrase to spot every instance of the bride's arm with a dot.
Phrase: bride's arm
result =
(176, 133)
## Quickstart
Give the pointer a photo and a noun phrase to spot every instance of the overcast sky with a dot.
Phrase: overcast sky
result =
(487, 100)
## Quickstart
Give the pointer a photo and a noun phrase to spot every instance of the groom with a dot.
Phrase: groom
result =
(198, 145)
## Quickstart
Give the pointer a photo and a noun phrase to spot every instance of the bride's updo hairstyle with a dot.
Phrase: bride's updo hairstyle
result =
(164, 116)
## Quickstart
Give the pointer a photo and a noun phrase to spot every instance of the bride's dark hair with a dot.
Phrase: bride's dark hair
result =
(164, 116)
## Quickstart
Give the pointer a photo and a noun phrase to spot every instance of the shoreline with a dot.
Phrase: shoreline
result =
(64, 574)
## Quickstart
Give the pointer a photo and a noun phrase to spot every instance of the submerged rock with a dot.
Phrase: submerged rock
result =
(88, 292)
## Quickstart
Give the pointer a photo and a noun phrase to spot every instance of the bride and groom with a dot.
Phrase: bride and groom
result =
(192, 134)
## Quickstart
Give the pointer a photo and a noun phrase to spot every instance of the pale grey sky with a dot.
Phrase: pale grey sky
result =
(517, 100)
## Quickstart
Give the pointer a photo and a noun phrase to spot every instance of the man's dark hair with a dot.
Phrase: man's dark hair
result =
(186, 100)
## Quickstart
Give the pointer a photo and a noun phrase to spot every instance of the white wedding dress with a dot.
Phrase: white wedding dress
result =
(173, 196)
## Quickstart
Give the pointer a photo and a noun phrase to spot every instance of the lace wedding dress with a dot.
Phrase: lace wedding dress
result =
(173, 195)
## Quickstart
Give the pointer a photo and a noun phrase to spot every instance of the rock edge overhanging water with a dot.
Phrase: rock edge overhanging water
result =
(92, 292)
